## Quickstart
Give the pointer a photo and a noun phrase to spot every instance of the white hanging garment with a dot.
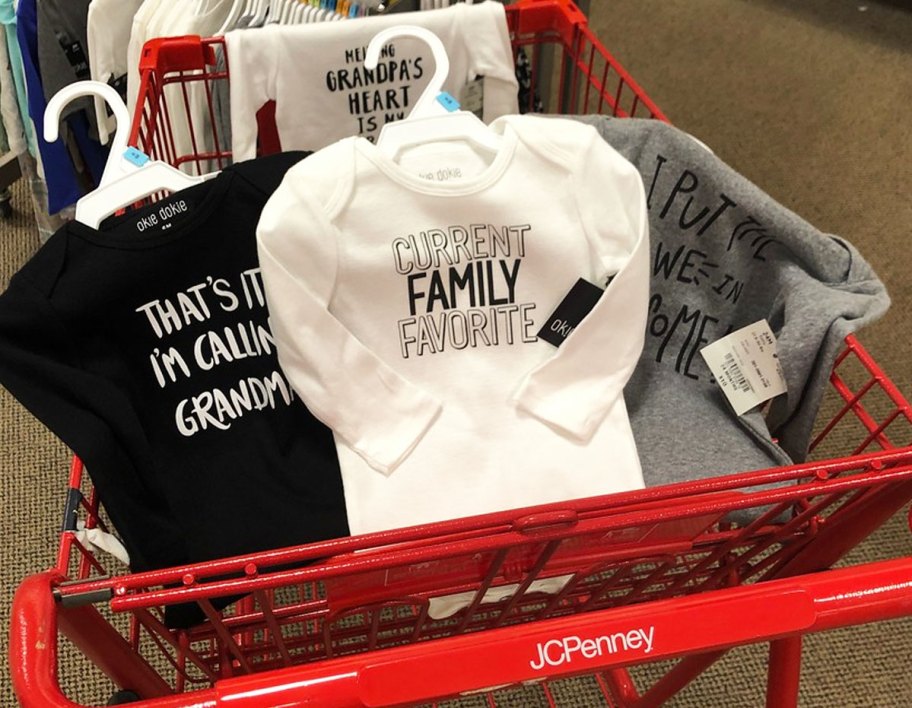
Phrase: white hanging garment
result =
(315, 74)
(138, 31)
(108, 28)
(439, 314)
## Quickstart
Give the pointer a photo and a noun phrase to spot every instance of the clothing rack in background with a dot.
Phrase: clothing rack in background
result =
(50, 44)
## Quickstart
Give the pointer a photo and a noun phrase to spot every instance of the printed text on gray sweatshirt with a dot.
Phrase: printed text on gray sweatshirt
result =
(724, 255)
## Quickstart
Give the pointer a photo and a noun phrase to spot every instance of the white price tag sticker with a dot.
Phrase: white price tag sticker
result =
(746, 366)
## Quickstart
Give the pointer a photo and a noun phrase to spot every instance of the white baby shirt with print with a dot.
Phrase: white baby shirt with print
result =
(406, 298)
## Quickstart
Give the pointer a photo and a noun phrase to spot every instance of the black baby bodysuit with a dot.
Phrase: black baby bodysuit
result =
(145, 346)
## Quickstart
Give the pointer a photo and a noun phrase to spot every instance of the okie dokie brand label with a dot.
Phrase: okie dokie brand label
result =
(442, 174)
(162, 216)
(566, 650)
(570, 312)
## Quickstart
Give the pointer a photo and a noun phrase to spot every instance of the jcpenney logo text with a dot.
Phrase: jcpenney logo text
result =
(562, 651)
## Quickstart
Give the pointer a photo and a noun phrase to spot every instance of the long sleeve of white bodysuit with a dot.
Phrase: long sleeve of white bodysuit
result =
(485, 27)
(575, 388)
(380, 415)
(251, 55)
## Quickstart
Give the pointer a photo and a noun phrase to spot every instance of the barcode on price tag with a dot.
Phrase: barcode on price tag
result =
(746, 366)
(732, 372)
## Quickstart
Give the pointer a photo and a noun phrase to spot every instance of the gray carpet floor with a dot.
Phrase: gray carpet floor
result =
(810, 100)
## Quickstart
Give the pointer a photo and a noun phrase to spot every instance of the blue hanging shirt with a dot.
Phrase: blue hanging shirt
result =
(59, 172)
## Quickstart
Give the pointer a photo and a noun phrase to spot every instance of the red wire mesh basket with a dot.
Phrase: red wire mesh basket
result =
(426, 613)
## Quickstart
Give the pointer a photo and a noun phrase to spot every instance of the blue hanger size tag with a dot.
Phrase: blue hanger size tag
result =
(135, 156)
(447, 101)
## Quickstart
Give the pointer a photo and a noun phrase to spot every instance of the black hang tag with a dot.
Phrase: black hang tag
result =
(75, 54)
(119, 84)
(570, 312)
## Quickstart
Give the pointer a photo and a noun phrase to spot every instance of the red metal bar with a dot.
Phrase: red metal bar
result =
(697, 494)
(533, 573)
(847, 530)
(159, 634)
(674, 681)
(33, 646)
(833, 542)
(784, 672)
(273, 625)
(618, 686)
(123, 601)
(565, 20)
(226, 639)
(66, 539)
(883, 380)
(545, 17)
(575, 645)
(568, 646)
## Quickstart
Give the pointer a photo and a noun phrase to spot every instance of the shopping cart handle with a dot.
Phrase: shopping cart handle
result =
(587, 642)
(36, 617)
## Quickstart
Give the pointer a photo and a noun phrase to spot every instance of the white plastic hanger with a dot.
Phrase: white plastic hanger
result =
(277, 10)
(289, 8)
(152, 177)
(114, 168)
(234, 14)
(283, 11)
(129, 176)
(433, 118)
(260, 11)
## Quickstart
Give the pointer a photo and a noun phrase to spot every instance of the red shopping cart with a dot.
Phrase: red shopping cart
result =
(422, 614)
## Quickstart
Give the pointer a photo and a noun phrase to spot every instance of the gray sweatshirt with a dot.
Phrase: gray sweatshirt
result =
(724, 255)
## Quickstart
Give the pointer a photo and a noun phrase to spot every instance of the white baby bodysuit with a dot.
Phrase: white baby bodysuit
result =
(139, 33)
(315, 74)
(108, 27)
(405, 299)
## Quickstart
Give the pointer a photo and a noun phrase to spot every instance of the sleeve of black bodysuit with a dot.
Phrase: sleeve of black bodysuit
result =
(40, 366)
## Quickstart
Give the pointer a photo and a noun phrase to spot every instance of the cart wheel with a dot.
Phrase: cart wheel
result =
(122, 697)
